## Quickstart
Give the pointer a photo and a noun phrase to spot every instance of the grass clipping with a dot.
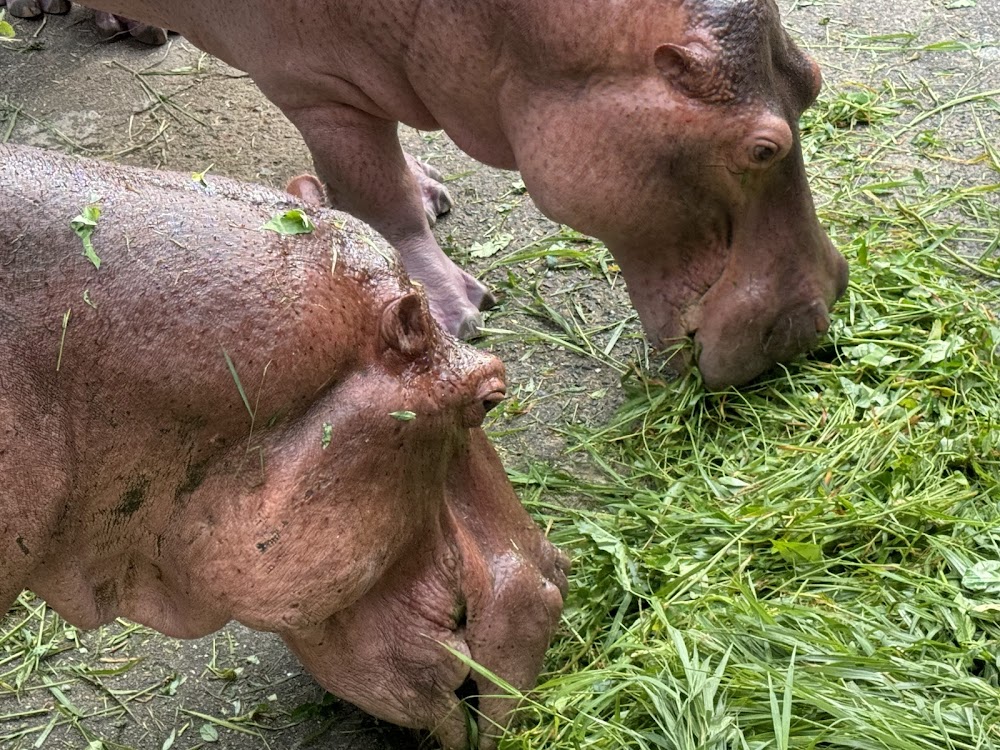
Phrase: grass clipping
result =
(812, 561)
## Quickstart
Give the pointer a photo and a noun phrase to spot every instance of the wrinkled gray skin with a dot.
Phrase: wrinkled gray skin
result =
(137, 484)
(667, 128)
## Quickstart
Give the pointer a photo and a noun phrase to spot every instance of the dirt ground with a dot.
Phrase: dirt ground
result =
(176, 108)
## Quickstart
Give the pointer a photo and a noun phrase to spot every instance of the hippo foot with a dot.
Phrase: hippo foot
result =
(35, 8)
(437, 201)
(450, 290)
(110, 27)
(455, 297)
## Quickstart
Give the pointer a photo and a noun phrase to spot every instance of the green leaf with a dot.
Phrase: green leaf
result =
(86, 298)
(209, 733)
(491, 247)
(403, 416)
(293, 221)
(176, 682)
(6, 30)
(327, 435)
(871, 354)
(199, 177)
(171, 738)
(938, 351)
(87, 218)
(793, 552)
(983, 576)
(84, 226)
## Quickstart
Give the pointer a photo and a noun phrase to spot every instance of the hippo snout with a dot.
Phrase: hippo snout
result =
(740, 344)
(842, 271)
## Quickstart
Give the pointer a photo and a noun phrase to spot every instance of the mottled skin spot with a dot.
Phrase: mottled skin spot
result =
(193, 478)
(136, 486)
(133, 498)
(667, 128)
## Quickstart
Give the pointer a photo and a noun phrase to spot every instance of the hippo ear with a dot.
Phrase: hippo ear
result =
(308, 189)
(692, 68)
(406, 325)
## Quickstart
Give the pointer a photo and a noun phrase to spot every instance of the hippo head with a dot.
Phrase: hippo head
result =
(454, 566)
(680, 149)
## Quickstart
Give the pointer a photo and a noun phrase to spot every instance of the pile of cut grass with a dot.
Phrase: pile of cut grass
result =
(813, 561)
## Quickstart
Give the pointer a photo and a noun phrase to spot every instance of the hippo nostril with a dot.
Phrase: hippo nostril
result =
(822, 323)
(492, 392)
(492, 400)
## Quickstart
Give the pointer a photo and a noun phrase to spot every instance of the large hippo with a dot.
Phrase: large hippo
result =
(223, 423)
(666, 128)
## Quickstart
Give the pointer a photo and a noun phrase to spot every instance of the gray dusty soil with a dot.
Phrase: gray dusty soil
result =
(177, 108)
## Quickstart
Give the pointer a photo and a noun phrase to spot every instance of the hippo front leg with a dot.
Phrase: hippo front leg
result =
(35, 8)
(435, 196)
(110, 27)
(360, 161)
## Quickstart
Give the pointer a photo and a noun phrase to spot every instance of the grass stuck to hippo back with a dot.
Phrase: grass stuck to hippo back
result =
(666, 128)
(217, 404)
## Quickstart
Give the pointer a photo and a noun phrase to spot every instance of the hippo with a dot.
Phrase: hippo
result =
(204, 420)
(665, 128)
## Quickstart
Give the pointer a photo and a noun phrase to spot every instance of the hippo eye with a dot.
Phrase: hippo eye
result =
(764, 152)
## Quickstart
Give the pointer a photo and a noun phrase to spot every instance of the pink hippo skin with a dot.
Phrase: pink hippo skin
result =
(666, 128)
(137, 484)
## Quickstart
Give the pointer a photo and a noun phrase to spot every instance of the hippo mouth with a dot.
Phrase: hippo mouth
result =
(742, 327)
(738, 320)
